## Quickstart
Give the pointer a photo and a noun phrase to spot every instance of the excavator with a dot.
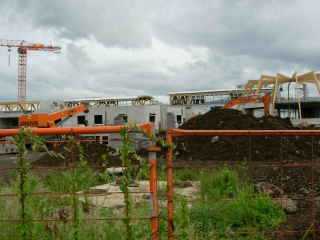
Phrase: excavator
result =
(265, 99)
(253, 95)
(47, 120)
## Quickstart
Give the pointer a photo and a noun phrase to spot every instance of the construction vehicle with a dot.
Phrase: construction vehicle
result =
(23, 47)
(45, 120)
(242, 100)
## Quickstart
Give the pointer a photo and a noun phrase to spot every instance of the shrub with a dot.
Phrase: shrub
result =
(221, 183)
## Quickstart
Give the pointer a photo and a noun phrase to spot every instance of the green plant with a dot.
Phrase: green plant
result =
(143, 172)
(105, 176)
(221, 183)
(202, 218)
(231, 209)
(79, 177)
(126, 150)
(183, 218)
(25, 184)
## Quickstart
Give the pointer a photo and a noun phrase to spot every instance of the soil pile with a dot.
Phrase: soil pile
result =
(233, 119)
(241, 148)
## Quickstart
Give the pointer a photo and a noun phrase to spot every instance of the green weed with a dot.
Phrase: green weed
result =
(230, 209)
(221, 183)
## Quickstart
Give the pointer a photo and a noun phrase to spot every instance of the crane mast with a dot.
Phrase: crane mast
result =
(22, 74)
(22, 48)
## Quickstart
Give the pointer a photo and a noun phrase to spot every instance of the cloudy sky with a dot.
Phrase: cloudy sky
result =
(135, 47)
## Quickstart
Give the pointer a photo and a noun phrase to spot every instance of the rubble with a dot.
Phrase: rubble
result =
(287, 204)
(109, 195)
(278, 195)
(270, 189)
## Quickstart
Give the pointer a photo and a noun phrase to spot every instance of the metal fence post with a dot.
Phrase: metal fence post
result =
(153, 182)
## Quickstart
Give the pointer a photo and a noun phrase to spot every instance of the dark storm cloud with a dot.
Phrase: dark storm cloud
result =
(285, 30)
(123, 23)
(151, 47)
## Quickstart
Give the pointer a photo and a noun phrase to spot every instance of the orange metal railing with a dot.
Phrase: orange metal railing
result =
(146, 127)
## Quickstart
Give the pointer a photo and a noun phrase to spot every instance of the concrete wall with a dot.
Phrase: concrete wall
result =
(141, 113)
(73, 121)
(186, 112)
(136, 114)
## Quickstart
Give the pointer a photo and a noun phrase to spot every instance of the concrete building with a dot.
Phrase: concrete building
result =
(118, 111)
(182, 106)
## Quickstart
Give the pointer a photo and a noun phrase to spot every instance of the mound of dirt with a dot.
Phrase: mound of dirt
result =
(241, 148)
(233, 119)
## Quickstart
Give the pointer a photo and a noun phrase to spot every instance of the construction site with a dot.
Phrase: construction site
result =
(239, 163)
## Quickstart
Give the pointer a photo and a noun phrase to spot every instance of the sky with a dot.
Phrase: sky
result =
(152, 47)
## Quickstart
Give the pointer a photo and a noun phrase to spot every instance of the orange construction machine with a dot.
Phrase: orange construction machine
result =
(266, 100)
(45, 120)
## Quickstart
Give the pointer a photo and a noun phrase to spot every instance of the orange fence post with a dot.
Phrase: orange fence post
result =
(170, 187)
(153, 182)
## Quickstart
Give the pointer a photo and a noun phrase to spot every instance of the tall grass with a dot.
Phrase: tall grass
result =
(219, 184)
(69, 214)
(231, 209)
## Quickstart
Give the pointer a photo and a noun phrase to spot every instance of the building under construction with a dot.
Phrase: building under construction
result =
(294, 102)
(181, 107)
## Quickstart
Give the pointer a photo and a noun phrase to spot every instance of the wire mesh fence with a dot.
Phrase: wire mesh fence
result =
(64, 186)
(255, 184)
